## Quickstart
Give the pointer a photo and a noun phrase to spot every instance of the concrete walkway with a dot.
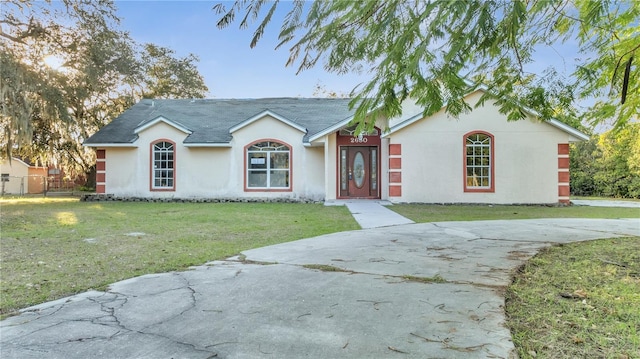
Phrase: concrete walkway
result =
(375, 214)
(357, 294)
(372, 213)
(606, 203)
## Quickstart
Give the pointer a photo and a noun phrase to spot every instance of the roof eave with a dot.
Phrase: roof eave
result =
(403, 124)
(330, 129)
(568, 129)
(207, 144)
(553, 122)
(558, 124)
(100, 145)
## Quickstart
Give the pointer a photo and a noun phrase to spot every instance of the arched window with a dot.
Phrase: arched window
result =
(163, 165)
(478, 167)
(268, 166)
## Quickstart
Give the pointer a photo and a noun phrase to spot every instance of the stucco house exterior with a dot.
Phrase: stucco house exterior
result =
(305, 149)
(20, 177)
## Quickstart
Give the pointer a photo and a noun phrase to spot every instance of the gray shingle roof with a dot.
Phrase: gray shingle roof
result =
(210, 119)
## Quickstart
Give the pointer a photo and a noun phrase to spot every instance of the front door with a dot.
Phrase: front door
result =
(359, 172)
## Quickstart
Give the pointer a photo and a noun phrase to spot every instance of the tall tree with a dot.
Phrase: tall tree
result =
(608, 164)
(427, 49)
(50, 107)
(171, 77)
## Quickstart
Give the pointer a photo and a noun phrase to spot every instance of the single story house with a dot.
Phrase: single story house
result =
(305, 149)
(20, 177)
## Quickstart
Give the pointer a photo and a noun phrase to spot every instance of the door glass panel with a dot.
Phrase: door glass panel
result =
(374, 170)
(343, 169)
(358, 169)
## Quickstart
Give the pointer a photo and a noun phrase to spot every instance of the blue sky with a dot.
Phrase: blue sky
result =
(231, 69)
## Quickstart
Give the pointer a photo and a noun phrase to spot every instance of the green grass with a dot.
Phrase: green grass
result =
(578, 301)
(54, 247)
(422, 213)
(596, 198)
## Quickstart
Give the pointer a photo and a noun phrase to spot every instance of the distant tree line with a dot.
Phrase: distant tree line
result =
(67, 69)
(608, 165)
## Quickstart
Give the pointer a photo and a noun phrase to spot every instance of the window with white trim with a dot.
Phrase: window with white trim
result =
(479, 161)
(163, 173)
(268, 165)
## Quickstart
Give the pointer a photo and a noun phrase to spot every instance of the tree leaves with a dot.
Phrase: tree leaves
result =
(47, 113)
(409, 45)
(608, 165)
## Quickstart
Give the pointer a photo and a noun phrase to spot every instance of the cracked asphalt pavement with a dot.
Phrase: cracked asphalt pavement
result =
(357, 294)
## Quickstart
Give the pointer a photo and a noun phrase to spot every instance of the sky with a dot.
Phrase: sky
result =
(231, 69)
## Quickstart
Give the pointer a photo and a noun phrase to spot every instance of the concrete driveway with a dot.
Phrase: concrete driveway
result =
(359, 294)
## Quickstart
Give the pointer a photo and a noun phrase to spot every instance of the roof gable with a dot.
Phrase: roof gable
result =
(553, 122)
(162, 119)
(264, 114)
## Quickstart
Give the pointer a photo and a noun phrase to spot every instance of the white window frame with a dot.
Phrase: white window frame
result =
(481, 157)
(163, 165)
(267, 147)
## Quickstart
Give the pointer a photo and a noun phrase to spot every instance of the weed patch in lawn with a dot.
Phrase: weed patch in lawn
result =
(434, 279)
(578, 300)
(324, 268)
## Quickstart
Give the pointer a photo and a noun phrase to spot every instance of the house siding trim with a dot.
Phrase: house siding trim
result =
(395, 170)
(101, 171)
(564, 175)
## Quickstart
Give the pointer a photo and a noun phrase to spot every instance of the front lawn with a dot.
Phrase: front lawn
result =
(577, 300)
(580, 300)
(54, 247)
(423, 213)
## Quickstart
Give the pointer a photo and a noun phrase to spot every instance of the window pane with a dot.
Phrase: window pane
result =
(478, 160)
(257, 160)
(279, 179)
(279, 160)
(257, 179)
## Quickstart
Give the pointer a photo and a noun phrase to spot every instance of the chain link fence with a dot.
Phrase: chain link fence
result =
(35, 184)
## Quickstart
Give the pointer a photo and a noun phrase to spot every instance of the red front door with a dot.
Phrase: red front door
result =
(359, 172)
